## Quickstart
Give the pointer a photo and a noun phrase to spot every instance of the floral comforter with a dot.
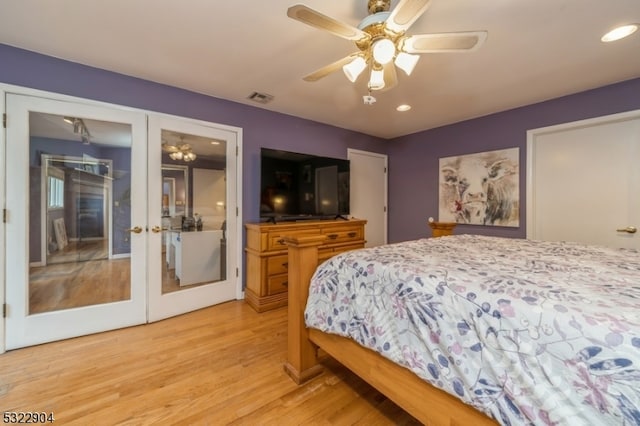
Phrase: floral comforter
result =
(529, 332)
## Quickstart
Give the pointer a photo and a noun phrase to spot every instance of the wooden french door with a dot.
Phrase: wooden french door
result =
(76, 218)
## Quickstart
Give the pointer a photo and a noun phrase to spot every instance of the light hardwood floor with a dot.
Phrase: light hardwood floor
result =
(87, 281)
(217, 366)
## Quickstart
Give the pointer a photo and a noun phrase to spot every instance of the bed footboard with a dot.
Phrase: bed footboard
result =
(429, 405)
(302, 354)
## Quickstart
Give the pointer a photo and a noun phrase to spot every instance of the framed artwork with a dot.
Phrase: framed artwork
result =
(481, 188)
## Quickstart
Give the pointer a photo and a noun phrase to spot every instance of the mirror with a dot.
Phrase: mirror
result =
(193, 207)
(79, 211)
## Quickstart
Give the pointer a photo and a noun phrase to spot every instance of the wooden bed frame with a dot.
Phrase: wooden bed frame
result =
(426, 403)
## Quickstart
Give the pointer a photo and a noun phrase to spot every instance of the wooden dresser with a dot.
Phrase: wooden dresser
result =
(267, 257)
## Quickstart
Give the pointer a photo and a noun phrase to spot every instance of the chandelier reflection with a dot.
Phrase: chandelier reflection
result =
(179, 152)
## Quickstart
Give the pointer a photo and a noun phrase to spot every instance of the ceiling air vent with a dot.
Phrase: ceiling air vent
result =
(262, 98)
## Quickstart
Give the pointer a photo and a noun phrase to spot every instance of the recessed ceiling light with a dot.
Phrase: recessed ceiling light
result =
(619, 32)
(215, 143)
(403, 107)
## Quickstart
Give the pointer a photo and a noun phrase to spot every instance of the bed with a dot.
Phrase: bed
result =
(476, 330)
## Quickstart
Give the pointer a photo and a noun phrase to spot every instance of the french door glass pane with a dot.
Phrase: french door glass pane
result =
(193, 210)
(79, 212)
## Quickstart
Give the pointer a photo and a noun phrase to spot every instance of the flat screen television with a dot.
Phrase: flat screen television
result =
(295, 186)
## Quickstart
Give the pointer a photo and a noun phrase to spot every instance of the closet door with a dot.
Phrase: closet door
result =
(368, 176)
(584, 181)
(75, 199)
(193, 243)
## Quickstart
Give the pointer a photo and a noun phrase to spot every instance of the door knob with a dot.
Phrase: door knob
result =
(135, 230)
(157, 229)
(628, 229)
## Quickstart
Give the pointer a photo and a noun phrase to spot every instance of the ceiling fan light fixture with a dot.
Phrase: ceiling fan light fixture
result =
(354, 68)
(406, 62)
(619, 33)
(376, 81)
(383, 51)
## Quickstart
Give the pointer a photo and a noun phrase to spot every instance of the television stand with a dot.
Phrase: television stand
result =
(339, 216)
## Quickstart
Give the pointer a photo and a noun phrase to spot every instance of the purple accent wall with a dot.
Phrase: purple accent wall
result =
(413, 159)
(259, 126)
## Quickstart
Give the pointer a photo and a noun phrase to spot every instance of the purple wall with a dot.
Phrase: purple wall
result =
(413, 159)
(260, 127)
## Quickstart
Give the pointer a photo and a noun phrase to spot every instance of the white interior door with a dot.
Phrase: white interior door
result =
(197, 255)
(73, 286)
(584, 182)
(368, 194)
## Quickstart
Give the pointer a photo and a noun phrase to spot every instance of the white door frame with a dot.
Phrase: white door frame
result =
(3, 241)
(531, 153)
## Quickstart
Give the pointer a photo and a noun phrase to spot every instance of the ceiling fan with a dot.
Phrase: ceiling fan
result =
(181, 151)
(382, 42)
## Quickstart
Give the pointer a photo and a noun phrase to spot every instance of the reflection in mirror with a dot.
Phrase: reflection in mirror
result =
(79, 208)
(193, 210)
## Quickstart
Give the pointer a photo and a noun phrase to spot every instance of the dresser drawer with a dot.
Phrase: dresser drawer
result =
(347, 248)
(277, 284)
(277, 264)
(267, 254)
(275, 239)
(343, 234)
(324, 254)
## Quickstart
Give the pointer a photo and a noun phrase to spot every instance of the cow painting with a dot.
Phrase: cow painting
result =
(481, 189)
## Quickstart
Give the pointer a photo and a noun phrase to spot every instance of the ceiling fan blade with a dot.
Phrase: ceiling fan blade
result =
(316, 19)
(328, 69)
(390, 76)
(444, 42)
(405, 14)
(169, 148)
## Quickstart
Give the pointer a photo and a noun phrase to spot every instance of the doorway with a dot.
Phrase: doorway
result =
(88, 221)
(74, 192)
(583, 181)
(368, 173)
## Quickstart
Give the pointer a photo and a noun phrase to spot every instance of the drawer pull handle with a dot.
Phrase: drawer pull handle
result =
(332, 236)
(286, 283)
(352, 234)
(280, 241)
(285, 264)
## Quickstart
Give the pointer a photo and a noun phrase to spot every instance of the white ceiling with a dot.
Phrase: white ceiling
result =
(535, 50)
